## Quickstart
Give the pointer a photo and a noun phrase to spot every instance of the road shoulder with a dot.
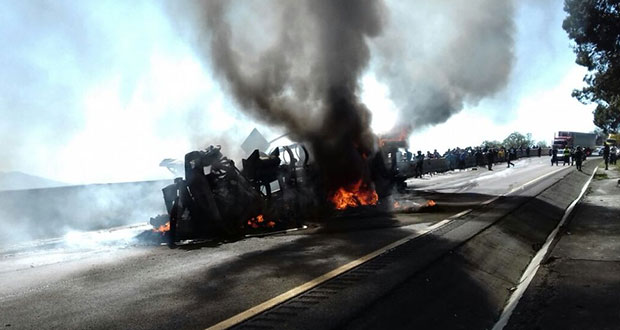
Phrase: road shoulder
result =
(577, 286)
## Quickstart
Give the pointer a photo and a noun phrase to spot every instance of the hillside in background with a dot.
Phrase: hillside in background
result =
(17, 180)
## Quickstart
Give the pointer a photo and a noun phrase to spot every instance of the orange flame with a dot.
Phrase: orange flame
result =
(356, 195)
(396, 205)
(163, 228)
(431, 203)
(259, 221)
(398, 134)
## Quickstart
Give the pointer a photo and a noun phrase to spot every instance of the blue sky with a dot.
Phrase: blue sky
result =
(102, 91)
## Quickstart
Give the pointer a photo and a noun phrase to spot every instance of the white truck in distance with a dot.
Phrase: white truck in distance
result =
(569, 139)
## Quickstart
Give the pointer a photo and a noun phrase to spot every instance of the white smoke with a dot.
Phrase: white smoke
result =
(438, 56)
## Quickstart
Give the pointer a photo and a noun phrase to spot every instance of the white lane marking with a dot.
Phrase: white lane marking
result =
(532, 268)
(534, 180)
(459, 182)
(327, 276)
(521, 187)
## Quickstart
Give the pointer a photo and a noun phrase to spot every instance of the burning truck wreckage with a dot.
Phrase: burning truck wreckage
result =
(275, 192)
(305, 80)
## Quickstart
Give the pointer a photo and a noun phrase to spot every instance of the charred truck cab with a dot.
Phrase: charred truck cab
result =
(275, 191)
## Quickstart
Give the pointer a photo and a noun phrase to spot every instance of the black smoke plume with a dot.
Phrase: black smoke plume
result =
(297, 64)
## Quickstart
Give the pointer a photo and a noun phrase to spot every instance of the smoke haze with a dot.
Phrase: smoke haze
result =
(99, 92)
(103, 91)
(51, 212)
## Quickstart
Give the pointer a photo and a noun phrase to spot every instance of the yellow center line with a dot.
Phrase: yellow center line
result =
(344, 268)
(327, 276)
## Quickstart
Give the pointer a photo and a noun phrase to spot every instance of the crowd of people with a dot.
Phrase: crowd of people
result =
(483, 156)
(457, 158)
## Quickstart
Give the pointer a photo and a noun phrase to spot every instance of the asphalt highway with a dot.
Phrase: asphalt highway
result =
(108, 280)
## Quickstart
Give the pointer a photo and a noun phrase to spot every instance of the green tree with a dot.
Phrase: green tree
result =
(542, 144)
(490, 144)
(594, 26)
(516, 140)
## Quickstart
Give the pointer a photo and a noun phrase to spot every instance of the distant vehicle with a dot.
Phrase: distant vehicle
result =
(573, 139)
(613, 140)
(598, 151)
(560, 156)
(601, 150)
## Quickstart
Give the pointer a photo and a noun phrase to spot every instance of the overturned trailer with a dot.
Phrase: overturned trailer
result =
(272, 192)
(216, 199)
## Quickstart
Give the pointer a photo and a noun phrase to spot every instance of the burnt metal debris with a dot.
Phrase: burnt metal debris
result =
(217, 199)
